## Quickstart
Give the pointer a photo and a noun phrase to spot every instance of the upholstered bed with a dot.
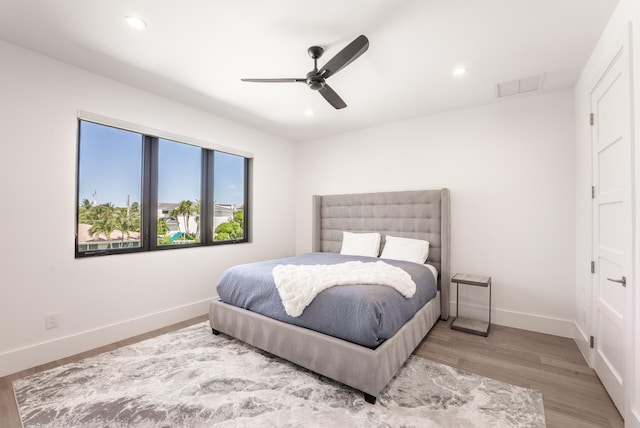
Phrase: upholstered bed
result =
(423, 215)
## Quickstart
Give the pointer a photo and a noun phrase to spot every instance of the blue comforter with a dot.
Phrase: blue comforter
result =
(362, 314)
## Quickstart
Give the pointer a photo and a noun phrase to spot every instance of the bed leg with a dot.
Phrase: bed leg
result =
(369, 398)
(214, 331)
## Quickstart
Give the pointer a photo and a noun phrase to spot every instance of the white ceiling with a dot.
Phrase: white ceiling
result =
(196, 51)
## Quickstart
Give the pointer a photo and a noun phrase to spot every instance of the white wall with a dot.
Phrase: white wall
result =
(628, 11)
(104, 299)
(510, 168)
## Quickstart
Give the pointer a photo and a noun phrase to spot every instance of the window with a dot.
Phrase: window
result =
(179, 178)
(229, 176)
(138, 192)
(109, 188)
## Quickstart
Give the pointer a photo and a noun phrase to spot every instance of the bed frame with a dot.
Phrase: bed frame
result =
(420, 214)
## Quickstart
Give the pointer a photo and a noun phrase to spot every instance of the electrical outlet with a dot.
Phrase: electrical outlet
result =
(52, 320)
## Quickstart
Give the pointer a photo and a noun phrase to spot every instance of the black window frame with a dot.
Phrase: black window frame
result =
(149, 198)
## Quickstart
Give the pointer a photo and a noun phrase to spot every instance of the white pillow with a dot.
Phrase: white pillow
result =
(360, 244)
(410, 250)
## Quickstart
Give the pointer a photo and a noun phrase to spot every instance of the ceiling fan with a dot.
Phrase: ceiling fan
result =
(316, 79)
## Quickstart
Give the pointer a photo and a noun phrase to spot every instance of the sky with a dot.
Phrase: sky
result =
(111, 166)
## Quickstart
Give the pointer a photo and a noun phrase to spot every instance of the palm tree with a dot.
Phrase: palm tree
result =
(86, 203)
(196, 210)
(105, 226)
(163, 229)
(127, 220)
(185, 209)
(175, 213)
(86, 212)
(134, 212)
(126, 223)
(105, 222)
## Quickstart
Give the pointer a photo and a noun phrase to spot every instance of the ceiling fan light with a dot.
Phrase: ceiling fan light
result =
(135, 22)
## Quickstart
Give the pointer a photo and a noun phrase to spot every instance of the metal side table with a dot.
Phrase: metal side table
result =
(468, 325)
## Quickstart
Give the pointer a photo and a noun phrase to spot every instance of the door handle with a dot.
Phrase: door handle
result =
(622, 280)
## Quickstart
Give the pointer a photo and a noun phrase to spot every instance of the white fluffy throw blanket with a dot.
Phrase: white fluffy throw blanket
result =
(298, 285)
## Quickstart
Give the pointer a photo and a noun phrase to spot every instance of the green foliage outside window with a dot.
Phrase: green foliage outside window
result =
(231, 230)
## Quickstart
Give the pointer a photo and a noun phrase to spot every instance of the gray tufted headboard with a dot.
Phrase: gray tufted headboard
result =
(419, 214)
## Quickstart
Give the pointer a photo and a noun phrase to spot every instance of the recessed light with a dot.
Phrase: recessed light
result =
(459, 71)
(308, 112)
(135, 22)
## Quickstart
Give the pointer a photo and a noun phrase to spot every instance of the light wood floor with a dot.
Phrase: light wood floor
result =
(573, 395)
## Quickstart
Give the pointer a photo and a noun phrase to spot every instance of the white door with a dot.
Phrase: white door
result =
(612, 216)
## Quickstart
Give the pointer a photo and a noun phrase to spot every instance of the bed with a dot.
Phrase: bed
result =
(420, 214)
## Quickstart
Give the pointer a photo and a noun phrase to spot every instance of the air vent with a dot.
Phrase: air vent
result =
(520, 86)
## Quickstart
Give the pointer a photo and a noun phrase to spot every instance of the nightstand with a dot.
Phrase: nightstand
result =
(468, 325)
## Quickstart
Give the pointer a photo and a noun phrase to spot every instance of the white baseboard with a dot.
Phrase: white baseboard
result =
(41, 353)
(582, 340)
(525, 321)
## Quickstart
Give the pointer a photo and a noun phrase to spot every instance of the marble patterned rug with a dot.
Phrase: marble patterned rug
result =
(191, 378)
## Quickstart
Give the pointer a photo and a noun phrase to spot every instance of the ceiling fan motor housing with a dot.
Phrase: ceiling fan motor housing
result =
(315, 81)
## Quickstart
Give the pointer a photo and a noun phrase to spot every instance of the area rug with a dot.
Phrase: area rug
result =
(191, 378)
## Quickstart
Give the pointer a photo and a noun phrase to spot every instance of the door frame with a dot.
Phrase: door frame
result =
(631, 330)
(632, 392)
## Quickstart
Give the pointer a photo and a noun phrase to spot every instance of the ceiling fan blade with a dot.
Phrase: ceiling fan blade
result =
(331, 96)
(283, 80)
(345, 57)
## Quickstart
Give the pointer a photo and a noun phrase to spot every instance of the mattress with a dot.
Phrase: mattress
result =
(361, 314)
